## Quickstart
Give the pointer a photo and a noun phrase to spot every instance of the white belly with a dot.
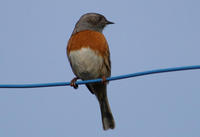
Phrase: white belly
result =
(85, 63)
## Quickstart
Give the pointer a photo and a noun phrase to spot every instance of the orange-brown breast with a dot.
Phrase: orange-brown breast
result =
(92, 39)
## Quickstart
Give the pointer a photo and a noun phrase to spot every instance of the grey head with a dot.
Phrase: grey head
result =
(91, 21)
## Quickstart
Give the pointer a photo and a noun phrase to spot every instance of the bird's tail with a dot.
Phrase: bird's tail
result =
(106, 114)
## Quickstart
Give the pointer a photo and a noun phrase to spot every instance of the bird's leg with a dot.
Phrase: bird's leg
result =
(104, 81)
(73, 83)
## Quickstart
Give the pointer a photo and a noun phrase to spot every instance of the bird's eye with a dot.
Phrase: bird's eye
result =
(99, 19)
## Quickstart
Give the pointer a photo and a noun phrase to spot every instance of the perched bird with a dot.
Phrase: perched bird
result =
(89, 57)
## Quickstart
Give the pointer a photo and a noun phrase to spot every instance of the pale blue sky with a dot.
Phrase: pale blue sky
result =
(148, 34)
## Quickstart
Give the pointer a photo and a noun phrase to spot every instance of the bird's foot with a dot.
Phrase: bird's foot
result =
(73, 83)
(104, 81)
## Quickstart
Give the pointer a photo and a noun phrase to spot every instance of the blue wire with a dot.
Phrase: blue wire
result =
(99, 80)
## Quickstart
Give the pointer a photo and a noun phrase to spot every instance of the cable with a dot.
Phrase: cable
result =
(100, 80)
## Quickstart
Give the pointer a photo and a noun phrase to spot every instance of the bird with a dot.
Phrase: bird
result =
(89, 57)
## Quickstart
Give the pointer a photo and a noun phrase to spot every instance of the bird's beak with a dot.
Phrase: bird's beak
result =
(109, 22)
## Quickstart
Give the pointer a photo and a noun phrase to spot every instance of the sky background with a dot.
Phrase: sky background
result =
(148, 34)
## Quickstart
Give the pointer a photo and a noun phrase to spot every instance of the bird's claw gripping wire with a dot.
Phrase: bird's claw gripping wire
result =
(75, 86)
(104, 81)
(73, 83)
